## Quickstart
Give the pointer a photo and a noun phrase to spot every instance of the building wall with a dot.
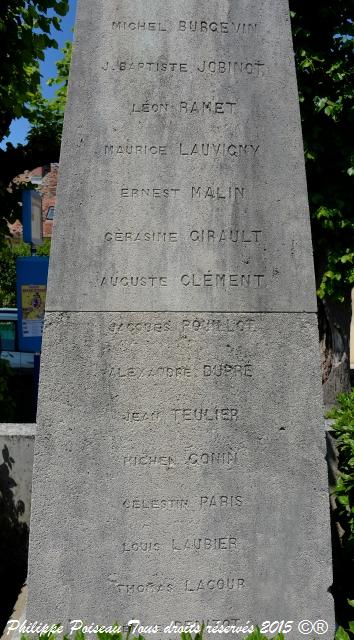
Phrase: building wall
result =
(45, 179)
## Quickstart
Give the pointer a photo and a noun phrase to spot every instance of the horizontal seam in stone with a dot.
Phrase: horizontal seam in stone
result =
(173, 311)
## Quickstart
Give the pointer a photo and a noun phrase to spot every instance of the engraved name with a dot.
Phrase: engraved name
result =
(133, 589)
(218, 325)
(212, 458)
(221, 584)
(213, 150)
(160, 237)
(164, 504)
(212, 236)
(204, 544)
(224, 543)
(221, 501)
(189, 26)
(170, 504)
(134, 281)
(218, 193)
(200, 414)
(164, 372)
(141, 546)
(211, 192)
(194, 584)
(205, 26)
(228, 324)
(140, 327)
(219, 280)
(218, 150)
(193, 107)
(135, 149)
(141, 416)
(153, 192)
(158, 66)
(151, 460)
(243, 68)
(228, 370)
(196, 236)
(223, 280)
(139, 25)
(146, 460)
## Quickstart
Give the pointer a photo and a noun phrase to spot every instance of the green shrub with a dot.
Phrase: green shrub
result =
(79, 635)
(43, 249)
(8, 255)
(343, 427)
(341, 633)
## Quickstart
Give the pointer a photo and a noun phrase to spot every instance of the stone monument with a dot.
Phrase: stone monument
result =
(180, 467)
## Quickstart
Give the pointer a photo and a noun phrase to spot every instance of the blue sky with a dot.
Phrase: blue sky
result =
(19, 128)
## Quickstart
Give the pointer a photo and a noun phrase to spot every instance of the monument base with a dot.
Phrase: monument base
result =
(202, 443)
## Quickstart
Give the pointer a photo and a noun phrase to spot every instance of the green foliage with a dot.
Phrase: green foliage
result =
(343, 426)
(25, 27)
(8, 255)
(324, 46)
(341, 633)
(62, 77)
(47, 116)
(198, 636)
(43, 249)
(257, 635)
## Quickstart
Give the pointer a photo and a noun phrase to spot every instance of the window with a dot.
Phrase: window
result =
(36, 180)
(50, 213)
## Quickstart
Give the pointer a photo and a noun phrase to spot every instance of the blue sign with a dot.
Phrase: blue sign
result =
(31, 281)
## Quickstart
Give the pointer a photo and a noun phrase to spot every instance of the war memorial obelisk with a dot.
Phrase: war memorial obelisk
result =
(180, 469)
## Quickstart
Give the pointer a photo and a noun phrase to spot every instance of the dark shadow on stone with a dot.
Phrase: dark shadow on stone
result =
(13, 541)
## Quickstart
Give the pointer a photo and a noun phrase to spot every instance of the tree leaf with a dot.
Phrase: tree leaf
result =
(341, 634)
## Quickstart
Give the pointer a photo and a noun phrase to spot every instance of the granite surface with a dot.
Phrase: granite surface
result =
(180, 469)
